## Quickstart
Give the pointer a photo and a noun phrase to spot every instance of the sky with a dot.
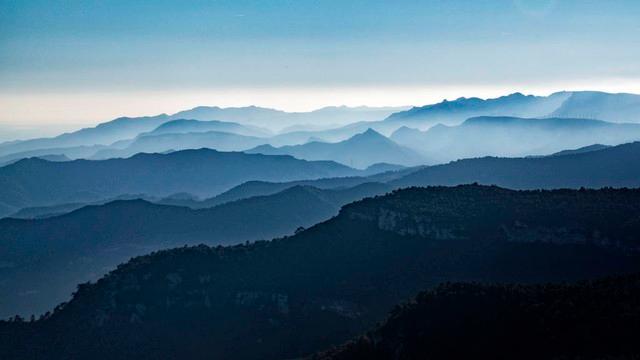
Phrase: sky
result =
(64, 63)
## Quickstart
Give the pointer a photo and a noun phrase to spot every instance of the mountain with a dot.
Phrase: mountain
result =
(275, 119)
(360, 151)
(608, 167)
(102, 134)
(44, 259)
(599, 105)
(43, 212)
(509, 136)
(293, 296)
(48, 157)
(564, 104)
(250, 119)
(588, 320)
(584, 149)
(221, 141)
(52, 153)
(35, 182)
(375, 174)
(456, 111)
(196, 126)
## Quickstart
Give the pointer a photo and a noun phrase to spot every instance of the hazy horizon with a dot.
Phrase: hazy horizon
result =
(82, 63)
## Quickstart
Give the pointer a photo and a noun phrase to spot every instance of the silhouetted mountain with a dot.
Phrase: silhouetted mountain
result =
(594, 320)
(360, 151)
(46, 258)
(35, 182)
(613, 166)
(221, 141)
(600, 105)
(242, 191)
(456, 111)
(290, 297)
(43, 212)
(584, 149)
(508, 136)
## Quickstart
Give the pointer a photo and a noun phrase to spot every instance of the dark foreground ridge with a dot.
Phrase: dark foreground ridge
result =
(294, 296)
(592, 320)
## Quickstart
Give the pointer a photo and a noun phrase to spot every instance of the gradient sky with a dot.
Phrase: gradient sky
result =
(66, 62)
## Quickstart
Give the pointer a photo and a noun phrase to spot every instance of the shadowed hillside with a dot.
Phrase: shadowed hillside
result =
(44, 259)
(294, 296)
(594, 320)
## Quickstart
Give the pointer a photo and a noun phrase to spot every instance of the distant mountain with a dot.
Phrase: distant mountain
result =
(204, 173)
(584, 149)
(613, 166)
(221, 141)
(509, 136)
(600, 105)
(456, 111)
(72, 153)
(249, 117)
(593, 320)
(44, 259)
(48, 157)
(102, 134)
(360, 151)
(339, 123)
(376, 174)
(294, 296)
(183, 126)
(576, 104)
(276, 119)
(43, 212)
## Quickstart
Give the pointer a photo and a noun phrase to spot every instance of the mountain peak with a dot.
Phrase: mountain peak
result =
(368, 135)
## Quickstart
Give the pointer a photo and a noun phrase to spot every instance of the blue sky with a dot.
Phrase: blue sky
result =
(80, 61)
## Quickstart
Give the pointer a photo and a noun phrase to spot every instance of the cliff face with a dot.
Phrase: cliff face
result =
(556, 217)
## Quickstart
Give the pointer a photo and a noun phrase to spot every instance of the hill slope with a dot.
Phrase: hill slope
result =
(294, 296)
(44, 259)
(595, 320)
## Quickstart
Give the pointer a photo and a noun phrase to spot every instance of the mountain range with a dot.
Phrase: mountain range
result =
(332, 124)
(575, 104)
(608, 166)
(293, 296)
(204, 172)
(43, 259)
(360, 151)
(513, 137)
